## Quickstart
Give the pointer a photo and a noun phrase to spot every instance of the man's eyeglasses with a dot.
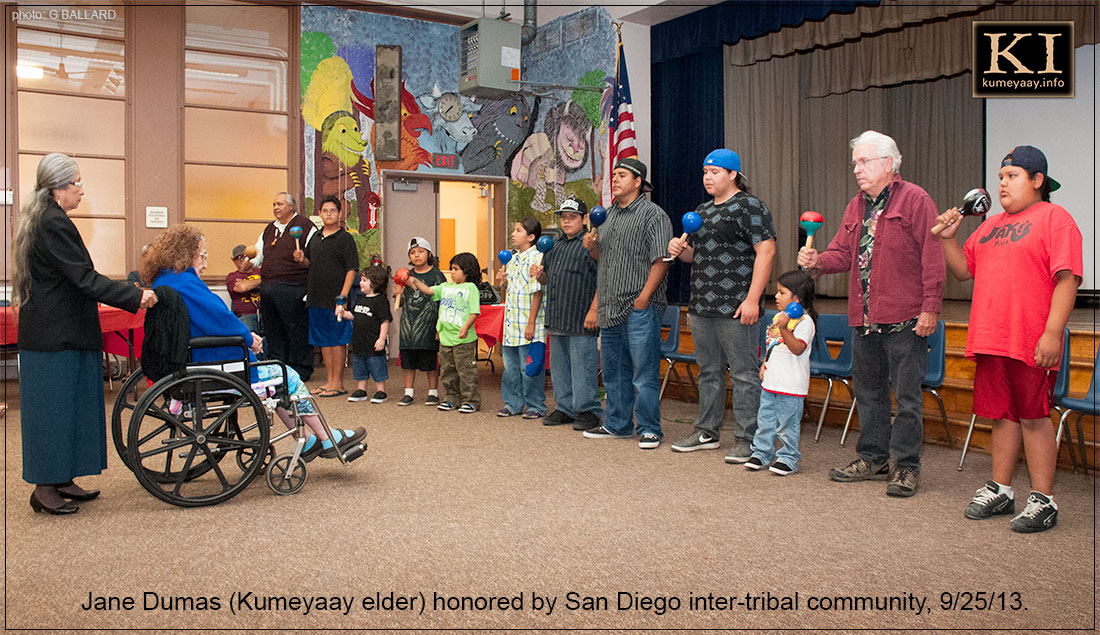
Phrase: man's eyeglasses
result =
(862, 163)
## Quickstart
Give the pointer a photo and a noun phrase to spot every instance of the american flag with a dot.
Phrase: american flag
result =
(621, 138)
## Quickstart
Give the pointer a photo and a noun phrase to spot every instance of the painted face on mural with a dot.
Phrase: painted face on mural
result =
(572, 146)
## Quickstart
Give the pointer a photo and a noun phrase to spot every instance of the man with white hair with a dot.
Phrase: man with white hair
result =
(894, 299)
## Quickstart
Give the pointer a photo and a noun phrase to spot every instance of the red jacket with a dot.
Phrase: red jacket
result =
(907, 269)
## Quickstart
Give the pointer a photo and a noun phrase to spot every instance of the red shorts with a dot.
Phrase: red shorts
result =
(1005, 388)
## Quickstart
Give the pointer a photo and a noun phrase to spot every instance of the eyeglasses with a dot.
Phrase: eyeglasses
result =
(862, 163)
(203, 255)
(239, 257)
(77, 183)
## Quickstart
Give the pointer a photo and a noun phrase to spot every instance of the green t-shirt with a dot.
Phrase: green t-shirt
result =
(456, 303)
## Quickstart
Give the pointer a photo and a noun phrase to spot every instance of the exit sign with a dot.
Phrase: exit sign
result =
(445, 161)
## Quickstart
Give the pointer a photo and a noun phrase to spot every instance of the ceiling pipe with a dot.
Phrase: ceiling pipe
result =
(530, 23)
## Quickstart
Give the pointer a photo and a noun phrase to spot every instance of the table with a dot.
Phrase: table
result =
(124, 331)
(490, 324)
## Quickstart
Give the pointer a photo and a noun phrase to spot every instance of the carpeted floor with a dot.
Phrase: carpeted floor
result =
(446, 510)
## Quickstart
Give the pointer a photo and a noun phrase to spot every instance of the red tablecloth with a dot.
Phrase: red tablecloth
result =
(116, 323)
(490, 324)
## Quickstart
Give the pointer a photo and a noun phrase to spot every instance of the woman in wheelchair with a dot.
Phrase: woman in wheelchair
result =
(175, 259)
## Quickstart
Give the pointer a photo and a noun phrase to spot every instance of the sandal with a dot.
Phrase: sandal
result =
(331, 393)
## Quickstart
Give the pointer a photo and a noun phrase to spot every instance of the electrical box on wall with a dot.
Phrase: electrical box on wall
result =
(489, 58)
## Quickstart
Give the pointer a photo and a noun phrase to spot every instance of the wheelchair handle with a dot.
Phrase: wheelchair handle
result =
(218, 341)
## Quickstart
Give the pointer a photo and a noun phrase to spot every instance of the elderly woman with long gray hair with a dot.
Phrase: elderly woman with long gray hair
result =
(55, 289)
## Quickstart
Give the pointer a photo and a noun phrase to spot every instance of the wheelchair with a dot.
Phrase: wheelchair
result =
(200, 435)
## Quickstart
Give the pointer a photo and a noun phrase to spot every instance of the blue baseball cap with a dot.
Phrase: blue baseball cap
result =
(723, 158)
(1031, 159)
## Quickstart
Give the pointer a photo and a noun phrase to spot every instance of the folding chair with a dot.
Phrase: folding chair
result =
(670, 350)
(833, 327)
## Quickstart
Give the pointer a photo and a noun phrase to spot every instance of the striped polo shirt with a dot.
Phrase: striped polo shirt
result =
(631, 240)
(570, 286)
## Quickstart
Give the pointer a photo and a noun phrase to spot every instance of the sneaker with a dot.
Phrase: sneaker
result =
(781, 468)
(1040, 515)
(859, 470)
(600, 432)
(740, 452)
(532, 414)
(446, 405)
(586, 421)
(467, 408)
(358, 395)
(754, 464)
(989, 501)
(557, 418)
(698, 440)
(903, 481)
(505, 412)
(648, 441)
(379, 397)
(432, 400)
(405, 400)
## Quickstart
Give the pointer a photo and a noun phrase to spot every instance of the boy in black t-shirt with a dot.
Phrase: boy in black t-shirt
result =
(370, 327)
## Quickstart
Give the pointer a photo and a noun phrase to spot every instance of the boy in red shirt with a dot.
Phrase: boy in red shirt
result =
(1015, 337)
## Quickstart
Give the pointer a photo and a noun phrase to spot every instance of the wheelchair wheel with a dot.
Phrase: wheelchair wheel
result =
(128, 395)
(246, 455)
(183, 427)
(284, 479)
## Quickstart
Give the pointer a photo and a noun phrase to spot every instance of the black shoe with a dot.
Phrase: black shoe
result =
(89, 494)
(66, 508)
(586, 421)
(557, 418)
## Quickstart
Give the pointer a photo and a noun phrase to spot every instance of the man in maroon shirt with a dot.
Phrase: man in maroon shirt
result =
(895, 294)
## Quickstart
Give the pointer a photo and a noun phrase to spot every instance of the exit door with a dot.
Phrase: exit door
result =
(411, 209)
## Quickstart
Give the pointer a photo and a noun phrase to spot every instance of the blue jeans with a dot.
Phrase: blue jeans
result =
(881, 362)
(573, 362)
(718, 342)
(516, 388)
(631, 361)
(780, 415)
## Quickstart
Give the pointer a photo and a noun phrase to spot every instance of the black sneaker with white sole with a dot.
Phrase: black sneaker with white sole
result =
(601, 432)
(1040, 515)
(358, 395)
(446, 405)
(780, 468)
(406, 400)
(432, 400)
(648, 441)
(379, 397)
(754, 464)
(989, 501)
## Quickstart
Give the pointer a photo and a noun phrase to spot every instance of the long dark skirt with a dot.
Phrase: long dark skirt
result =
(62, 408)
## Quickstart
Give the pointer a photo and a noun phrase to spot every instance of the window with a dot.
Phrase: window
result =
(70, 72)
(235, 122)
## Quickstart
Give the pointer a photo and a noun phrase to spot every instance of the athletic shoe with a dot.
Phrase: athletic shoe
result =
(505, 412)
(739, 452)
(648, 441)
(903, 481)
(358, 395)
(601, 432)
(432, 400)
(859, 470)
(557, 418)
(754, 464)
(379, 397)
(1040, 515)
(446, 405)
(990, 501)
(467, 408)
(780, 468)
(405, 401)
(586, 421)
(533, 414)
(697, 440)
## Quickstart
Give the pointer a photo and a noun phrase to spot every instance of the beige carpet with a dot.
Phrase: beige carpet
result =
(445, 506)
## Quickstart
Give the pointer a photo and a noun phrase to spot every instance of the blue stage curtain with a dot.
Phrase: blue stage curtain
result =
(687, 107)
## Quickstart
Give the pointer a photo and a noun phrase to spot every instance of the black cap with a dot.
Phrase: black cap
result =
(1031, 159)
(637, 168)
(572, 205)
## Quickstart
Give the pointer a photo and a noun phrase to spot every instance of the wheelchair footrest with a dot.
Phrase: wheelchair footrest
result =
(355, 452)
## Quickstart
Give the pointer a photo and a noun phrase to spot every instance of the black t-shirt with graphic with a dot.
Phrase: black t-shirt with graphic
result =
(370, 313)
(724, 253)
(419, 314)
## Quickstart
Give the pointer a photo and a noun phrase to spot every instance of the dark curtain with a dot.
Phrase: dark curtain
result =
(687, 124)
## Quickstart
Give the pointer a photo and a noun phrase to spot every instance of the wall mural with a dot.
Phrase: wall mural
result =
(550, 145)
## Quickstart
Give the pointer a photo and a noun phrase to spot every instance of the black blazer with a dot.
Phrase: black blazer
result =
(61, 312)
